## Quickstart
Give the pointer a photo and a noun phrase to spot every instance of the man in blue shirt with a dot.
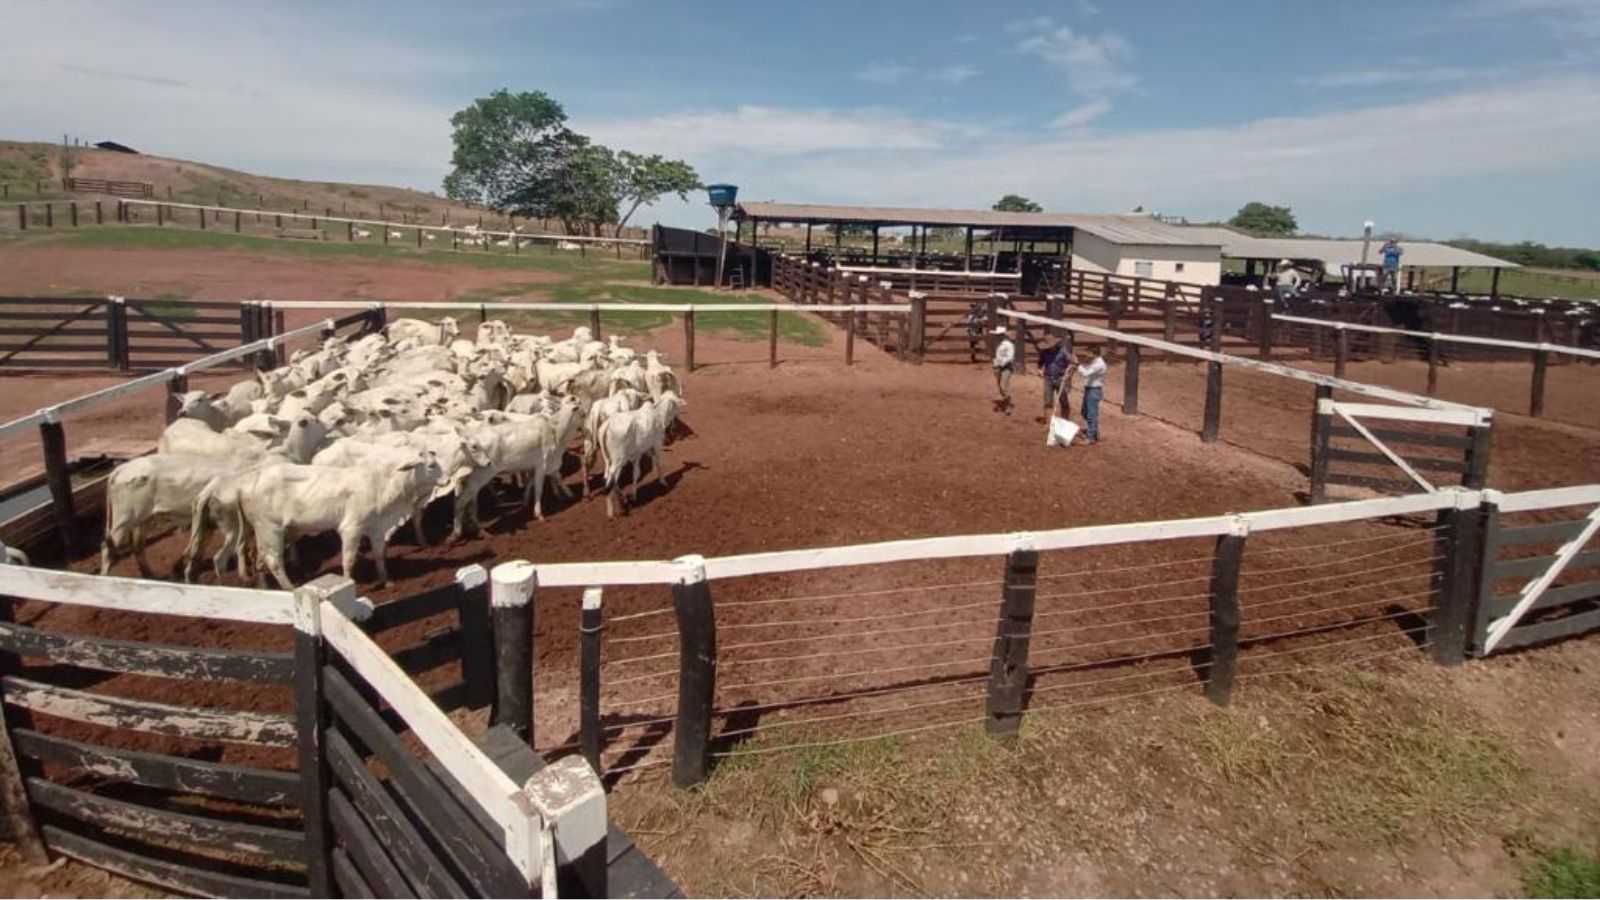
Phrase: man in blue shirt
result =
(1391, 266)
(1054, 363)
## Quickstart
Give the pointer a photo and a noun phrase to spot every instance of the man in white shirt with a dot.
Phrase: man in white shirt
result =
(1005, 361)
(1093, 370)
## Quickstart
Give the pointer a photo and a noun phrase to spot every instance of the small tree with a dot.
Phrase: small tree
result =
(1016, 203)
(508, 149)
(1263, 220)
(645, 179)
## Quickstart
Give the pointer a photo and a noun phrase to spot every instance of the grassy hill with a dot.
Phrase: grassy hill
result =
(33, 171)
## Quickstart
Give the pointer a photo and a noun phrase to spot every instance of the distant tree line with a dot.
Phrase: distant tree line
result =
(514, 153)
(1529, 253)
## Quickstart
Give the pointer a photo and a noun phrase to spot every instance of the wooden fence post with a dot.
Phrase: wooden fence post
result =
(1212, 425)
(591, 627)
(116, 333)
(919, 329)
(311, 724)
(512, 586)
(850, 336)
(1222, 658)
(177, 386)
(1130, 381)
(1321, 437)
(247, 322)
(99, 214)
(1433, 365)
(22, 217)
(49, 215)
(238, 221)
(202, 219)
(1341, 350)
(1008, 667)
(1477, 475)
(1541, 361)
(688, 339)
(16, 816)
(1264, 331)
(53, 441)
(477, 634)
(1460, 545)
(594, 322)
(772, 342)
(697, 673)
(73, 208)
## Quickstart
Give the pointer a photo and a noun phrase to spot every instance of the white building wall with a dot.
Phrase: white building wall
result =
(1191, 264)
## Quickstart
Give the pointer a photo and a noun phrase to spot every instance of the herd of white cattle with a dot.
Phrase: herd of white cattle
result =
(359, 436)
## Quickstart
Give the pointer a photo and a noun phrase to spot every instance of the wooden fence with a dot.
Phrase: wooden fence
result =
(125, 334)
(315, 768)
(130, 189)
(657, 671)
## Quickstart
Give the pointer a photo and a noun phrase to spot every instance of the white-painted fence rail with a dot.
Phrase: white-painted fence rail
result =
(54, 412)
(376, 223)
(145, 596)
(1442, 336)
(1352, 387)
(458, 306)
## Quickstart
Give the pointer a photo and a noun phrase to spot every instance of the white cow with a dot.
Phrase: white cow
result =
(150, 488)
(440, 333)
(357, 502)
(624, 400)
(532, 444)
(628, 437)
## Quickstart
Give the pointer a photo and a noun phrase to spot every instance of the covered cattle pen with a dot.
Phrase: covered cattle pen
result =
(1009, 252)
(1423, 264)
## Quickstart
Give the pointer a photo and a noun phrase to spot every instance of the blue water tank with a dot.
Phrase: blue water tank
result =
(722, 194)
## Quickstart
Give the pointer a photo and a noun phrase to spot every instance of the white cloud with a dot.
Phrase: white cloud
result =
(958, 74)
(1082, 115)
(883, 73)
(1088, 8)
(1400, 75)
(775, 132)
(1095, 65)
(235, 85)
(1324, 165)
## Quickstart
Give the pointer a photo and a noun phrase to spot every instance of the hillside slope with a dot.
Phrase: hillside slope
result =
(24, 165)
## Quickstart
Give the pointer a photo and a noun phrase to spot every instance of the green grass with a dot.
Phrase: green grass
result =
(1564, 873)
(1574, 285)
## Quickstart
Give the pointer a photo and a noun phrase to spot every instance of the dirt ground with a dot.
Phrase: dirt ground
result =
(814, 454)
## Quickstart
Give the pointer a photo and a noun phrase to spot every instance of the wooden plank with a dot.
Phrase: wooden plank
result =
(183, 879)
(350, 882)
(697, 675)
(165, 660)
(144, 821)
(1401, 436)
(632, 874)
(1546, 498)
(1544, 533)
(144, 715)
(1376, 484)
(1500, 604)
(1533, 565)
(1008, 667)
(442, 648)
(409, 849)
(1424, 464)
(155, 770)
(364, 848)
(411, 609)
(479, 856)
(1538, 632)
(140, 595)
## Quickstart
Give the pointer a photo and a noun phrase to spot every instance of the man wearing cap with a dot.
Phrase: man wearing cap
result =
(1005, 360)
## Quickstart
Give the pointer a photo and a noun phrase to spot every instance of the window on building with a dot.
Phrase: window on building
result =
(1177, 267)
(1143, 268)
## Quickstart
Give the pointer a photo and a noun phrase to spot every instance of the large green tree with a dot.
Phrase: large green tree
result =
(1265, 221)
(643, 180)
(1016, 203)
(515, 153)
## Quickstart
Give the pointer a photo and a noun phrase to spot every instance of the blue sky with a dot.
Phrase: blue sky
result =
(1474, 117)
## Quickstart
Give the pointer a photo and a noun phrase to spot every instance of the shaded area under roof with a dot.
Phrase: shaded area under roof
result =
(1335, 253)
(1133, 228)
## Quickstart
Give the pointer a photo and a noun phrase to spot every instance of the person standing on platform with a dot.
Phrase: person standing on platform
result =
(1391, 266)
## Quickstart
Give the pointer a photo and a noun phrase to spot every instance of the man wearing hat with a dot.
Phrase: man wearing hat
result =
(1287, 282)
(1005, 360)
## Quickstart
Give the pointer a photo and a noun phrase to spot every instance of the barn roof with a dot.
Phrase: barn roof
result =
(1334, 253)
(1133, 228)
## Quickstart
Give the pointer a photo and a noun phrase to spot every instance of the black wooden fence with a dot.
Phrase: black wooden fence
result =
(125, 334)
